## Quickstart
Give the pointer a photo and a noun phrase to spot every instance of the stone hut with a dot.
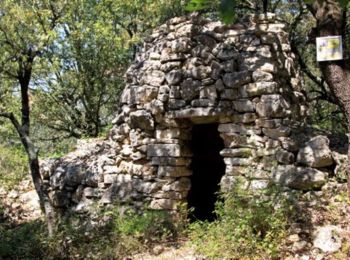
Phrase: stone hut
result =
(205, 105)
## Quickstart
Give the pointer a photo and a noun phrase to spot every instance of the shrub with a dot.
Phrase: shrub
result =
(249, 225)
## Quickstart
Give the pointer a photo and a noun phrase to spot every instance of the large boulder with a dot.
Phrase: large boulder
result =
(316, 153)
(327, 238)
(299, 178)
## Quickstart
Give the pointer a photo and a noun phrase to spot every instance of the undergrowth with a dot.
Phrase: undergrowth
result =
(120, 236)
(248, 226)
(13, 166)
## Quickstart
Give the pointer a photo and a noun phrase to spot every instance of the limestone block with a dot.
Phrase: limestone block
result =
(90, 193)
(141, 119)
(157, 109)
(116, 178)
(237, 161)
(190, 89)
(259, 88)
(236, 128)
(172, 133)
(201, 72)
(110, 169)
(229, 94)
(208, 93)
(271, 144)
(284, 157)
(268, 123)
(216, 70)
(110, 178)
(265, 17)
(164, 150)
(341, 162)
(181, 45)
(165, 204)
(244, 105)
(168, 66)
(206, 40)
(234, 32)
(146, 187)
(289, 144)
(74, 175)
(173, 171)
(276, 133)
(274, 28)
(182, 184)
(125, 167)
(168, 56)
(249, 39)
(203, 103)
(174, 92)
(259, 75)
(316, 153)
(236, 79)
(173, 195)
(219, 84)
(154, 56)
(127, 150)
(257, 185)
(153, 78)
(264, 51)
(186, 30)
(232, 140)
(226, 54)
(328, 238)
(170, 161)
(120, 191)
(177, 20)
(163, 93)
(244, 118)
(299, 178)
(232, 170)
(231, 40)
(228, 183)
(272, 106)
(173, 77)
(239, 152)
(265, 152)
(225, 104)
(59, 198)
(175, 104)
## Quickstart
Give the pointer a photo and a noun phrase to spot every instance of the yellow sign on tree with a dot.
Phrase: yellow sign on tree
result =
(329, 48)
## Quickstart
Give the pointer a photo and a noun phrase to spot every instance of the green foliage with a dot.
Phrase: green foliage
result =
(198, 5)
(13, 166)
(248, 225)
(120, 236)
(22, 242)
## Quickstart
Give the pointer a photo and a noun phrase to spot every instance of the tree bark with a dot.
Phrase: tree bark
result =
(24, 74)
(331, 20)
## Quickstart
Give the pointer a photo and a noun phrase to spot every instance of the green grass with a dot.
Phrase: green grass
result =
(13, 166)
(123, 235)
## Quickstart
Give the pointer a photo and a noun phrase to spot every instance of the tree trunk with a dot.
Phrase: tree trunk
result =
(33, 160)
(331, 20)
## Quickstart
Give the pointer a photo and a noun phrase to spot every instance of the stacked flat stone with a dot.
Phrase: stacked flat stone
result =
(195, 71)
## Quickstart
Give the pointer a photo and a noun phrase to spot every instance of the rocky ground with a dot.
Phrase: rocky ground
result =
(321, 229)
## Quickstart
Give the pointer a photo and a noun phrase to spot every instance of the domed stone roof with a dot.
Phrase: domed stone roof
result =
(193, 71)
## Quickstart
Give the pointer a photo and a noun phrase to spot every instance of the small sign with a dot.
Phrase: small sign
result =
(329, 48)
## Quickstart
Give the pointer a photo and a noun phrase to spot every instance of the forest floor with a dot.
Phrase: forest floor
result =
(327, 210)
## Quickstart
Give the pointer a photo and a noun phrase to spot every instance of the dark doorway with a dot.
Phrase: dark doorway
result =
(208, 167)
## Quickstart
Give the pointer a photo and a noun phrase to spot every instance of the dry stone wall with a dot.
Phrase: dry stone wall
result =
(195, 71)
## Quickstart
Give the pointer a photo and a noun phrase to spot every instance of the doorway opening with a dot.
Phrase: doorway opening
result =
(207, 167)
